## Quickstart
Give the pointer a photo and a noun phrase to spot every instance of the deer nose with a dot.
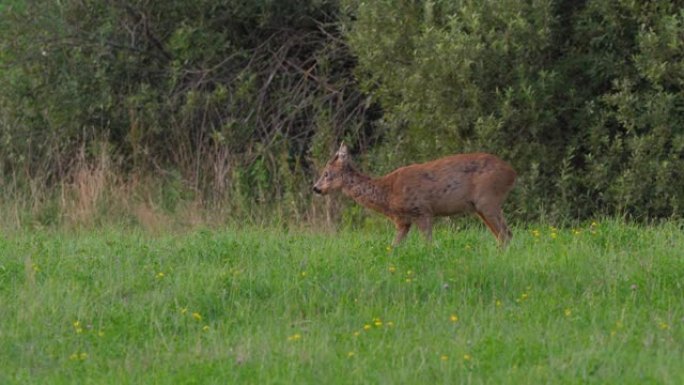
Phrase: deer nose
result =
(316, 190)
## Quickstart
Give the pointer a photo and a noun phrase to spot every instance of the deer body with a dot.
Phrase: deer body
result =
(415, 194)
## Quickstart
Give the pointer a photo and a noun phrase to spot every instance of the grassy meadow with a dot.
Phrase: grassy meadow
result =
(599, 304)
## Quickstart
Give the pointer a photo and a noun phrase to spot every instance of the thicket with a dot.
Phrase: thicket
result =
(236, 104)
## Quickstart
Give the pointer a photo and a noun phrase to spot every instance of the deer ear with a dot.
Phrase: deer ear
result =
(343, 152)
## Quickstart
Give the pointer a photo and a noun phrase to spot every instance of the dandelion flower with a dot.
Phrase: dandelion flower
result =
(453, 318)
(392, 269)
(366, 327)
(205, 328)
(390, 324)
(183, 310)
(467, 357)
(663, 326)
(498, 303)
(350, 354)
(197, 316)
(444, 357)
(377, 322)
(567, 312)
(160, 275)
(357, 333)
(295, 337)
(78, 356)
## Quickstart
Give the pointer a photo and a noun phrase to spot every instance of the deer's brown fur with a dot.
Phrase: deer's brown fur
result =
(415, 194)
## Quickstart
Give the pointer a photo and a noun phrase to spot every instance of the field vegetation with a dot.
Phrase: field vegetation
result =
(599, 303)
(157, 223)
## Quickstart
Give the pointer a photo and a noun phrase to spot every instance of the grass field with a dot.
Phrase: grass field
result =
(600, 304)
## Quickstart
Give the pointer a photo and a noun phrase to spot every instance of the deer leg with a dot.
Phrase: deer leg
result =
(488, 224)
(497, 225)
(402, 229)
(425, 226)
(506, 233)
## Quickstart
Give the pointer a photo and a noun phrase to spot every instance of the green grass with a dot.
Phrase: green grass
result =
(276, 307)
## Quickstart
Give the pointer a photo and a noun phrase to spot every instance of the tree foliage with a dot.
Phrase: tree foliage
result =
(584, 98)
(242, 101)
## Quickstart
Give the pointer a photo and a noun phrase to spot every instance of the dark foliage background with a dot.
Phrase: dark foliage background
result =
(236, 104)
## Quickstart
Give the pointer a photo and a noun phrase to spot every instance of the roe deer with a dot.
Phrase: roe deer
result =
(417, 193)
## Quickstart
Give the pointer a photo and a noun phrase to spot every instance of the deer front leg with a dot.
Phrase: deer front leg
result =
(425, 226)
(403, 228)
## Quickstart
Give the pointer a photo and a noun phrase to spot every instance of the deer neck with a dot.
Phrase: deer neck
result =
(365, 190)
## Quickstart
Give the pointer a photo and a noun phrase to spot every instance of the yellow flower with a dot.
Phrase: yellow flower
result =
(303, 274)
(576, 232)
(350, 354)
(567, 312)
(554, 235)
(160, 275)
(444, 357)
(390, 323)
(197, 316)
(467, 357)
(453, 318)
(78, 356)
(366, 327)
(184, 310)
(101, 333)
(205, 328)
(77, 327)
(663, 326)
(357, 333)
(392, 269)
(295, 337)
(389, 249)
(377, 322)
(536, 233)
(498, 303)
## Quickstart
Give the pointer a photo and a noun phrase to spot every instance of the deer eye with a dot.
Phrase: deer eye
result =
(325, 174)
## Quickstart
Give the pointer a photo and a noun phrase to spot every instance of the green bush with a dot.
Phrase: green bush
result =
(241, 102)
(584, 98)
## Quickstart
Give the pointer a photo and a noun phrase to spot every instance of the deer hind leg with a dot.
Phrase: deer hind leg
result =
(496, 223)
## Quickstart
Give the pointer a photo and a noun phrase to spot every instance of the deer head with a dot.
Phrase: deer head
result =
(331, 177)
